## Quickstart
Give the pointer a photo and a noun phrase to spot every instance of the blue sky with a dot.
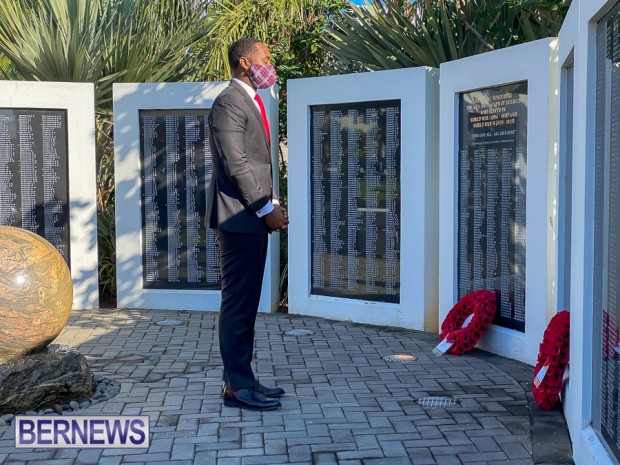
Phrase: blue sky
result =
(357, 2)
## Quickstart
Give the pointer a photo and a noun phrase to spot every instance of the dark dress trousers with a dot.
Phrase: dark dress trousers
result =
(241, 184)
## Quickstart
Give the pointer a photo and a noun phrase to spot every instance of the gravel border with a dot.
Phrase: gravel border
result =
(105, 389)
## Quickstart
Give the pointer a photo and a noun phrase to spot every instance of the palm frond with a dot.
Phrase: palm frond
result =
(266, 20)
(101, 41)
(385, 34)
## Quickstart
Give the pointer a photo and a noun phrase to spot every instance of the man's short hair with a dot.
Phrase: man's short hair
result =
(241, 48)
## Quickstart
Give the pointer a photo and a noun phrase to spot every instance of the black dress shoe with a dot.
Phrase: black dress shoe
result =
(249, 399)
(267, 391)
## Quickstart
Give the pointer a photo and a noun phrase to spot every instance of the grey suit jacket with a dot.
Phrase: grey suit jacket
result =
(241, 182)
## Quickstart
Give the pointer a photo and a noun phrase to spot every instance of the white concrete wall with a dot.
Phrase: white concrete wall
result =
(129, 99)
(78, 99)
(417, 90)
(578, 41)
(536, 63)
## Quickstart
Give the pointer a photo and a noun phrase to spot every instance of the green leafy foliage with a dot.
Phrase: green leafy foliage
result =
(292, 29)
(388, 34)
(101, 41)
(106, 222)
(6, 69)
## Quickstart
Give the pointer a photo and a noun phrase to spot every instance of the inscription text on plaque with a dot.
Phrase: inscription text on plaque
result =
(178, 251)
(34, 174)
(491, 197)
(355, 200)
(606, 282)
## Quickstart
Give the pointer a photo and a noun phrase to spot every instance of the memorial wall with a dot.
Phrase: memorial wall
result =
(606, 282)
(492, 181)
(355, 197)
(362, 180)
(166, 256)
(498, 149)
(34, 176)
(589, 59)
(48, 173)
(175, 158)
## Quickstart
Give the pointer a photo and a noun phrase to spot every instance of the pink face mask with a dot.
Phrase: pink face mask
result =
(262, 76)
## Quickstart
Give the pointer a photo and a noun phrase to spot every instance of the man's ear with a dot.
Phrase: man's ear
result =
(244, 63)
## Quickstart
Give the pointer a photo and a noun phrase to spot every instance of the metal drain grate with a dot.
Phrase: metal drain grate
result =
(299, 332)
(169, 323)
(400, 358)
(438, 401)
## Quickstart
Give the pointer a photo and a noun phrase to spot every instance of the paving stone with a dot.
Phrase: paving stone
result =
(418, 443)
(429, 431)
(333, 447)
(60, 454)
(552, 453)
(156, 457)
(450, 460)
(230, 434)
(490, 433)
(520, 462)
(300, 453)
(317, 430)
(182, 452)
(205, 458)
(241, 452)
(482, 457)
(26, 456)
(457, 438)
(366, 441)
(360, 454)
(393, 449)
(452, 450)
(89, 456)
(387, 461)
(515, 451)
(421, 456)
(275, 446)
(169, 462)
(265, 460)
(161, 445)
(324, 458)
(110, 460)
(406, 426)
(485, 444)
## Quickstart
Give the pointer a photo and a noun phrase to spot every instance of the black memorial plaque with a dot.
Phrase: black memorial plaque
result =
(606, 276)
(34, 174)
(491, 197)
(355, 192)
(178, 251)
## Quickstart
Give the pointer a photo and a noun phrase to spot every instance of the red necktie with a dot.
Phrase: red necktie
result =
(263, 115)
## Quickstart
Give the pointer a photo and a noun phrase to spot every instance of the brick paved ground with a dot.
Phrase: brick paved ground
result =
(344, 405)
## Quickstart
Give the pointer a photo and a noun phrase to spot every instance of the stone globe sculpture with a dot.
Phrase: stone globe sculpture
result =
(36, 293)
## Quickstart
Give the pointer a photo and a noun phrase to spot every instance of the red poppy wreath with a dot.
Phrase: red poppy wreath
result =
(467, 322)
(553, 357)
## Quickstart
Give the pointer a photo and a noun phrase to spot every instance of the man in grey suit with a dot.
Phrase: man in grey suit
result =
(242, 209)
